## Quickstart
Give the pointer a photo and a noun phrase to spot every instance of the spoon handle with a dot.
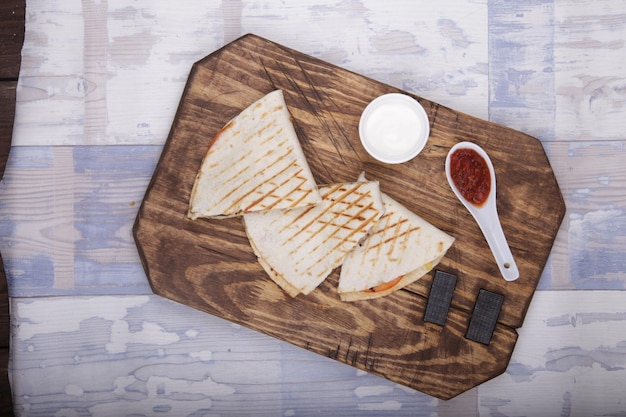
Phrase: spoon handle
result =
(501, 251)
(486, 215)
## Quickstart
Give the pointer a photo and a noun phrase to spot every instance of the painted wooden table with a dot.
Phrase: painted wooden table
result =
(98, 89)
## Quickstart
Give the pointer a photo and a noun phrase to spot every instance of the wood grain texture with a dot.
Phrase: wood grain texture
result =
(7, 98)
(593, 323)
(588, 253)
(521, 66)
(5, 319)
(73, 210)
(591, 103)
(553, 69)
(11, 38)
(154, 357)
(209, 265)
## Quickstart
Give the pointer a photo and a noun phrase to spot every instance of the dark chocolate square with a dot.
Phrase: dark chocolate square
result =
(485, 316)
(440, 297)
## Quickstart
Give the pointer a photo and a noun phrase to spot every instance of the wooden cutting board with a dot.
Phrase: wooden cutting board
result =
(209, 265)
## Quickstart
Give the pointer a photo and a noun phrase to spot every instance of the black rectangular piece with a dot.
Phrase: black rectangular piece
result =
(439, 298)
(485, 316)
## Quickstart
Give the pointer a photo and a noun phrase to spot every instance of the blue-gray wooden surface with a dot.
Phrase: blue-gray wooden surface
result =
(99, 85)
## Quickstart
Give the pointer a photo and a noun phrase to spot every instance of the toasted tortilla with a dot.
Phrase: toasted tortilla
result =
(299, 248)
(254, 163)
(401, 248)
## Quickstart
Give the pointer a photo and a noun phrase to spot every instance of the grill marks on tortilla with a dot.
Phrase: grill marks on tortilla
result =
(299, 248)
(268, 199)
(391, 237)
(279, 191)
(400, 249)
(351, 213)
(254, 163)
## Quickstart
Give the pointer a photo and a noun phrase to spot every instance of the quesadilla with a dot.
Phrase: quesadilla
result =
(299, 248)
(401, 248)
(254, 163)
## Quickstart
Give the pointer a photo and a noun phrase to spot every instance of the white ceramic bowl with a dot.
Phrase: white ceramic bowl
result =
(394, 128)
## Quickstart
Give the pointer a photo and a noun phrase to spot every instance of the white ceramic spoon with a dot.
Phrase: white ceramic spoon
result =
(487, 216)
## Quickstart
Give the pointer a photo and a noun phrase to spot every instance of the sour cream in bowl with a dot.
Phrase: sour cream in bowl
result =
(394, 128)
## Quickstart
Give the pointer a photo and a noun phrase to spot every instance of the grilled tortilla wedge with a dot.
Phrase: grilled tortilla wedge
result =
(401, 248)
(254, 163)
(299, 248)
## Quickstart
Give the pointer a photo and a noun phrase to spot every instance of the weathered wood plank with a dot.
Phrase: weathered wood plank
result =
(589, 56)
(11, 38)
(589, 250)
(181, 362)
(438, 51)
(68, 215)
(571, 345)
(121, 83)
(521, 66)
(90, 78)
(588, 188)
(570, 359)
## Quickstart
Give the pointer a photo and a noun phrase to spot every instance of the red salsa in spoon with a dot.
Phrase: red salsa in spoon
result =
(470, 174)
